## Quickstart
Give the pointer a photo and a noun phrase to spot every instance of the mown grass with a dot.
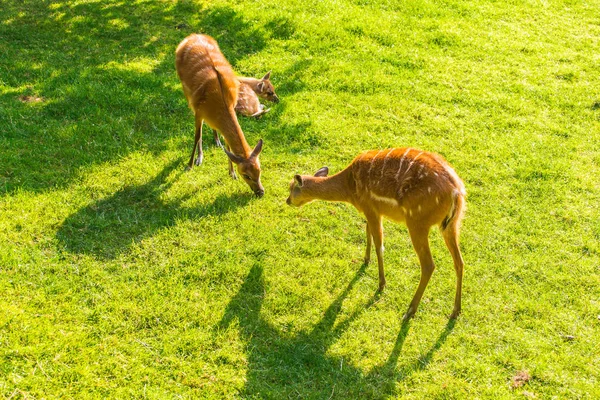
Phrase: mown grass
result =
(122, 276)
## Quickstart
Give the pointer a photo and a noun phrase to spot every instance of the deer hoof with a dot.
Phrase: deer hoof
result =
(455, 314)
(199, 160)
(233, 175)
(218, 143)
(381, 287)
(188, 168)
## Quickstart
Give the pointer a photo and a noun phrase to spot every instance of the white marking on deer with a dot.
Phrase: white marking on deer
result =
(389, 200)
(401, 163)
(385, 160)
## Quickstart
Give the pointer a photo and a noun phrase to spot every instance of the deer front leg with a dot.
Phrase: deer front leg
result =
(260, 112)
(198, 145)
(231, 170)
(420, 240)
(376, 230)
(217, 139)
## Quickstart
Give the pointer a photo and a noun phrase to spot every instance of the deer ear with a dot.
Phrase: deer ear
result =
(322, 172)
(298, 180)
(234, 159)
(257, 149)
(260, 86)
(267, 76)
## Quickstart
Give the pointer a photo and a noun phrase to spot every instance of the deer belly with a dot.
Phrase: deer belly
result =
(388, 206)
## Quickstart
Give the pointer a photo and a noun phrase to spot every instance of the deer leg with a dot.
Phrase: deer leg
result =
(200, 153)
(260, 112)
(420, 241)
(231, 170)
(197, 139)
(217, 140)
(376, 229)
(451, 238)
(369, 240)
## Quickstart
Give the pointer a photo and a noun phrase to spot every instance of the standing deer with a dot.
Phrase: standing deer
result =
(405, 185)
(211, 90)
(248, 103)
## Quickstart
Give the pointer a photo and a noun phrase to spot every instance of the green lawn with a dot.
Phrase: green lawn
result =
(123, 276)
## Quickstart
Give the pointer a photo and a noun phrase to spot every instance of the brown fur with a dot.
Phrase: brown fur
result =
(249, 92)
(405, 185)
(211, 89)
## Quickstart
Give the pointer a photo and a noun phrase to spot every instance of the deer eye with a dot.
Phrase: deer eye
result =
(270, 93)
(246, 177)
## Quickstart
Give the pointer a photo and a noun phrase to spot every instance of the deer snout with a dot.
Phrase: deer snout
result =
(275, 99)
(259, 190)
(288, 201)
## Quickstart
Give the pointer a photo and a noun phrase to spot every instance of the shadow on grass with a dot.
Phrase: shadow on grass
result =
(105, 78)
(108, 227)
(282, 367)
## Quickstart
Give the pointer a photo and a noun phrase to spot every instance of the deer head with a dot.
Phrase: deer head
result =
(298, 196)
(266, 90)
(249, 168)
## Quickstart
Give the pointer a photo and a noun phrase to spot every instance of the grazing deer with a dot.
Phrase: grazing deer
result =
(248, 104)
(211, 90)
(405, 185)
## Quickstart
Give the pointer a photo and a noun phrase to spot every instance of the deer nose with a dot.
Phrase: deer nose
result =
(275, 99)
(288, 201)
(259, 192)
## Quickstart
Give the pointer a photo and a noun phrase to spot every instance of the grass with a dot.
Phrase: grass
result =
(122, 276)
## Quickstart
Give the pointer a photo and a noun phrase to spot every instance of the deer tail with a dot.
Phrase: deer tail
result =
(457, 210)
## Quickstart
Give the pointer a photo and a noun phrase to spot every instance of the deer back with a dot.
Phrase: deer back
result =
(406, 182)
(208, 81)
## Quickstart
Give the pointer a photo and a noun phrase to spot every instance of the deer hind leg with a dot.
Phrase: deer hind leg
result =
(451, 238)
(376, 229)
(197, 145)
(420, 240)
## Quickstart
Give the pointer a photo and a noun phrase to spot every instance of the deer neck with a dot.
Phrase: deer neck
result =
(252, 82)
(234, 136)
(332, 188)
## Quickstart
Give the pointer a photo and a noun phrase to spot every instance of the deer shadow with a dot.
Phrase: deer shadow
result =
(281, 367)
(108, 227)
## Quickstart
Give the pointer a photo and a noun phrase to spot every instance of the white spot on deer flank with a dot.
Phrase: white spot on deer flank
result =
(419, 208)
(410, 212)
(437, 200)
